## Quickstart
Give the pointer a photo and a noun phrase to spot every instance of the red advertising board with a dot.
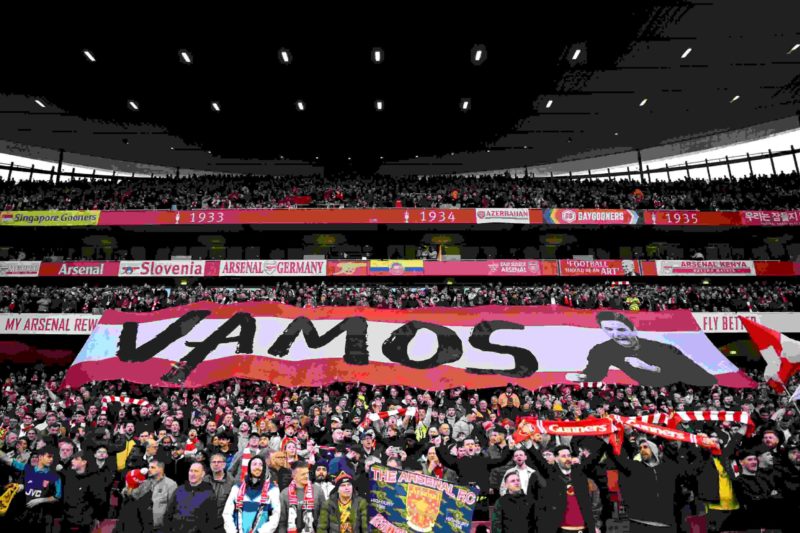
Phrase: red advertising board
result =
(84, 269)
(691, 218)
(770, 218)
(599, 267)
(288, 216)
(348, 268)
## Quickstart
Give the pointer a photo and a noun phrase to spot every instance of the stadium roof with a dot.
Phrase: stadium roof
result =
(616, 77)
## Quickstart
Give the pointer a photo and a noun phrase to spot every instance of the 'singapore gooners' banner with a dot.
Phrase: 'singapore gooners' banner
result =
(431, 348)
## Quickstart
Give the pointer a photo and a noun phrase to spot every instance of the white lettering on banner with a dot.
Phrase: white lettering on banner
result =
(600, 217)
(299, 267)
(705, 268)
(162, 268)
(69, 270)
(47, 324)
(729, 322)
(508, 216)
(515, 267)
(19, 269)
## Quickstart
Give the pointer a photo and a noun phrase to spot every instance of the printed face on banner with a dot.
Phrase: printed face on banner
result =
(434, 348)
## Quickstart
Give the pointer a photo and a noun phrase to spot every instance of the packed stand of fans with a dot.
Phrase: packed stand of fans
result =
(695, 296)
(233, 192)
(174, 464)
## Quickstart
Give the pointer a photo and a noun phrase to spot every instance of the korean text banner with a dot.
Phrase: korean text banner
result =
(49, 218)
(431, 348)
(409, 501)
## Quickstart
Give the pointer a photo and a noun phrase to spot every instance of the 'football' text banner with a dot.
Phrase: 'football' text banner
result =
(435, 348)
(409, 501)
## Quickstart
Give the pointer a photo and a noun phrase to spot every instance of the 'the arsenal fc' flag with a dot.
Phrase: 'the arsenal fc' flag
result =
(432, 348)
(781, 353)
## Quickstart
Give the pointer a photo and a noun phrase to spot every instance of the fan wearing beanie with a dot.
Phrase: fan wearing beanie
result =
(344, 512)
(253, 505)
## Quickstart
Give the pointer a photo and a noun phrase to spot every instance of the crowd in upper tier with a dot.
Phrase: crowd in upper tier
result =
(232, 192)
(695, 295)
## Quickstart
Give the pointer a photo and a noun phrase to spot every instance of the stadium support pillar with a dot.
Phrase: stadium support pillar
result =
(177, 172)
(728, 162)
(30, 176)
(708, 171)
(629, 172)
(649, 177)
(688, 172)
(666, 166)
(639, 158)
(60, 162)
(10, 170)
(772, 161)
(750, 163)
(794, 156)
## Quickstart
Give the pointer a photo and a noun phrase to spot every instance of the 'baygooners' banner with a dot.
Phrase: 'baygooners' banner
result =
(435, 349)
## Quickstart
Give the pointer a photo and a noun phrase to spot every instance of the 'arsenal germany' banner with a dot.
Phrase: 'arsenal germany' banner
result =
(431, 348)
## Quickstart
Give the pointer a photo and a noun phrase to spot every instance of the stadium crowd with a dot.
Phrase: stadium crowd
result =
(697, 296)
(233, 192)
(174, 464)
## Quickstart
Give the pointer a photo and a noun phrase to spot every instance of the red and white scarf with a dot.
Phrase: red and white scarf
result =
(105, 400)
(671, 434)
(740, 417)
(383, 415)
(307, 507)
(262, 503)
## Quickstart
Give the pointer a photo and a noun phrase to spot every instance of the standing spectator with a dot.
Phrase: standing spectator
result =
(566, 503)
(529, 479)
(301, 502)
(344, 512)
(43, 489)
(514, 510)
(253, 504)
(755, 489)
(221, 483)
(158, 491)
(194, 507)
(84, 496)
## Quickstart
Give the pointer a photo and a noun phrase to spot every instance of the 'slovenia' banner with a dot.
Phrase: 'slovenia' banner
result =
(436, 348)
(409, 501)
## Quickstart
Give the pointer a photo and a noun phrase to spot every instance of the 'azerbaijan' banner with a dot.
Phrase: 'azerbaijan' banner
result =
(409, 501)
(431, 348)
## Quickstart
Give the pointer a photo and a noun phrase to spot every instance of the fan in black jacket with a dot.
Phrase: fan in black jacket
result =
(757, 494)
(566, 500)
(83, 495)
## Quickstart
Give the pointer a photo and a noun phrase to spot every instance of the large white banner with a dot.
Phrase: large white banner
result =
(172, 269)
(281, 267)
(730, 323)
(705, 268)
(19, 269)
(47, 324)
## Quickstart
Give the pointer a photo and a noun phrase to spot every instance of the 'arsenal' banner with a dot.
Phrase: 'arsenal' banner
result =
(431, 348)
(409, 501)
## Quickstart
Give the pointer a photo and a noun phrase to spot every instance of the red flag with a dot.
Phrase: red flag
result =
(781, 353)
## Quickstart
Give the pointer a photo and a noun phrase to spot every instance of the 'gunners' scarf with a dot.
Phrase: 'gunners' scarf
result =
(307, 507)
(672, 434)
(527, 426)
(369, 418)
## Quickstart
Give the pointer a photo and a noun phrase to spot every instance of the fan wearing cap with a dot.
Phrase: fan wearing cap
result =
(84, 495)
(762, 505)
(345, 511)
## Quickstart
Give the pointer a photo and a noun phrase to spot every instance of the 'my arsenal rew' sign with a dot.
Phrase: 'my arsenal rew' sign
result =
(431, 348)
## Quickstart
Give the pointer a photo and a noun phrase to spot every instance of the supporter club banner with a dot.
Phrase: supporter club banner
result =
(19, 269)
(705, 268)
(504, 216)
(399, 267)
(299, 267)
(431, 348)
(770, 218)
(591, 216)
(47, 324)
(170, 269)
(409, 501)
(49, 218)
